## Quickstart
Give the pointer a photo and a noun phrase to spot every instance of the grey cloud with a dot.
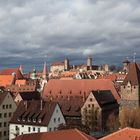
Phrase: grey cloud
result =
(31, 29)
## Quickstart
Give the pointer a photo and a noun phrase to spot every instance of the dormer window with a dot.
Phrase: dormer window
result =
(23, 119)
(29, 119)
(39, 120)
(34, 120)
(18, 119)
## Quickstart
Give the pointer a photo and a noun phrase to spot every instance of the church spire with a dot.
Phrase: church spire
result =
(44, 73)
(21, 69)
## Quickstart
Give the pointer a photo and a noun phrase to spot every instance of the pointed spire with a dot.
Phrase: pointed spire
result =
(134, 56)
(133, 75)
(44, 73)
(21, 69)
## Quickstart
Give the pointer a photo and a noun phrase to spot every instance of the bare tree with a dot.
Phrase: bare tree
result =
(130, 117)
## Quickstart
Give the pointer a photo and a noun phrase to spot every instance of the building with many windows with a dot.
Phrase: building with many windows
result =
(7, 108)
(35, 116)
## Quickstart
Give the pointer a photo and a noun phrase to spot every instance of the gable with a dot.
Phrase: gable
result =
(90, 101)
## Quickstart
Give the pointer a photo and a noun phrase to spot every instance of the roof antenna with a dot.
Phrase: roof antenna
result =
(134, 56)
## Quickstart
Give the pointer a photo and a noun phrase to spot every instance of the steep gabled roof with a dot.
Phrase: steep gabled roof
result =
(71, 134)
(133, 75)
(104, 97)
(32, 110)
(124, 134)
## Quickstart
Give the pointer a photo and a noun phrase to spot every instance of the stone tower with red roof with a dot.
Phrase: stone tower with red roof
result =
(130, 89)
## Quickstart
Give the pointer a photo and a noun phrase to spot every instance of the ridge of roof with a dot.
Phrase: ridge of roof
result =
(119, 131)
(81, 134)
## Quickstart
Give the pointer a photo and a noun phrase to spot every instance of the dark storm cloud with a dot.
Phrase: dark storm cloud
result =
(32, 31)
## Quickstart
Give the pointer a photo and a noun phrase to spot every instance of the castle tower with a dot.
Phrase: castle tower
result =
(66, 64)
(89, 62)
(130, 88)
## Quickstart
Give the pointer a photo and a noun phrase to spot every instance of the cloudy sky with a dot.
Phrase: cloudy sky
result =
(34, 31)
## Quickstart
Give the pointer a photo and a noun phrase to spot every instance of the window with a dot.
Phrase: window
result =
(3, 106)
(50, 129)
(57, 111)
(54, 119)
(0, 134)
(88, 105)
(0, 124)
(59, 119)
(0, 115)
(10, 106)
(90, 99)
(5, 115)
(38, 129)
(29, 129)
(16, 127)
(10, 114)
(6, 106)
(4, 124)
(33, 128)
(4, 133)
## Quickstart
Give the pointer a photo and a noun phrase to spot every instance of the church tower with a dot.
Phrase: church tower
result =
(66, 64)
(44, 73)
(89, 62)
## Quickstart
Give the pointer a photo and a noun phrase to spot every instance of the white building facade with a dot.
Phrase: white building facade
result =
(37, 125)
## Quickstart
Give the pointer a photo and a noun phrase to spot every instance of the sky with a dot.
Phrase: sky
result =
(34, 31)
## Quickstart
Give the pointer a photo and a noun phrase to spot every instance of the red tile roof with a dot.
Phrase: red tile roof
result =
(58, 63)
(9, 71)
(71, 134)
(133, 75)
(78, 87)
(124, 134)
(20, 82)
(112, 77)
(6, 80)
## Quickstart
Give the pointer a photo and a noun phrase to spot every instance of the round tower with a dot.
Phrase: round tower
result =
(66, 64)
(89, 62)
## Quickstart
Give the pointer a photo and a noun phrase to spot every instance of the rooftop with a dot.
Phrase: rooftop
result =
(71, 134)
(124, 134)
